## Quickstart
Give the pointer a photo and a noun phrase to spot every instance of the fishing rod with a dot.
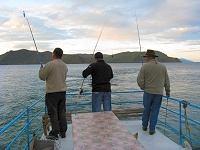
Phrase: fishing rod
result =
(33, 39)
(81, 88)
(98, 40)
(139, 38)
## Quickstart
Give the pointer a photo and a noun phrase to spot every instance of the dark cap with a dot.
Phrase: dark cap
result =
(98, 55)
(150, 53)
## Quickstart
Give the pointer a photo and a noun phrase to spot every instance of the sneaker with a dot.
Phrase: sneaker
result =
(62, 134)
(144, 128)
(152, 132)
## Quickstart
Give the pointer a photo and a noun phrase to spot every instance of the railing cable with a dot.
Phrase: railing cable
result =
(187, 127)
(166, 113)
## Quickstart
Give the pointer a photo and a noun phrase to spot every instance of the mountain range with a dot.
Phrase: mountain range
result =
(23, 56)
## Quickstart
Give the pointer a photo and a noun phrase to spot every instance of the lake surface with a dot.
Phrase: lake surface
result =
(20, 85)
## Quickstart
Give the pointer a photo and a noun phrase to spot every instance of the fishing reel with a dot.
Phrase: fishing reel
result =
(81, 91)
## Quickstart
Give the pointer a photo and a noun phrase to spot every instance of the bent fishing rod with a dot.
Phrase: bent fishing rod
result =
(139, 38)
(81, 88)
(33, 39)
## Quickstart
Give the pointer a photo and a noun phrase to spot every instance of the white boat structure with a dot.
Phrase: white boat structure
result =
(109, 130)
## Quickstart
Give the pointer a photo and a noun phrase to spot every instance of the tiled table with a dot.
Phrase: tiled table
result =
(101, 131)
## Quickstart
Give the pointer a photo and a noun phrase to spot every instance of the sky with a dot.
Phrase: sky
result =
(169, 26)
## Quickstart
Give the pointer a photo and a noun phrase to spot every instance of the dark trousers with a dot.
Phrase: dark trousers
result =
(56, 107)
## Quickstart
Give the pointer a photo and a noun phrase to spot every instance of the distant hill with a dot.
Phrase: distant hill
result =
(24, 56)
(184, 60)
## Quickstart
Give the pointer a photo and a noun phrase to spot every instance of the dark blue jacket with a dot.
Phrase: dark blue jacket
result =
(101, 74)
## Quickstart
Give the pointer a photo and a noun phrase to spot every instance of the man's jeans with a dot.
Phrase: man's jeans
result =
(152, 103)
(101, 97)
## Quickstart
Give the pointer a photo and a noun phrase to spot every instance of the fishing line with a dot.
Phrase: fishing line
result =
(33, 39)
(81, 88)
(139, 38)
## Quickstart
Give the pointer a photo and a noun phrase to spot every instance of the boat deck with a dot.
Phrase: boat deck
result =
(149, 142)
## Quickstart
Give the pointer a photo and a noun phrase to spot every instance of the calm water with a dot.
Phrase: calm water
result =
(20, 85)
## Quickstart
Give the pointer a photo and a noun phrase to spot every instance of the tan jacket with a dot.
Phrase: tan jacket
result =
(55, 73)
(153, 77)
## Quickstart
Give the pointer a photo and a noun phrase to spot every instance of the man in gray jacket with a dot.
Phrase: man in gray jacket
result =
(54, 73)
(152, 78)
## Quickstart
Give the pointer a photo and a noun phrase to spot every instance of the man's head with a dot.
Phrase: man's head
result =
(57, 53)
(98, 56)
(150, 54)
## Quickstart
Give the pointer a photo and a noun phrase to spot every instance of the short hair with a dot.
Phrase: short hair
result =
(98, 55)
(58, 52)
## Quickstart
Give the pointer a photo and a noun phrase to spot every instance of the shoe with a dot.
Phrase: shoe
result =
(52, 136)
(152, 132)
(62, 134)
(144, 128)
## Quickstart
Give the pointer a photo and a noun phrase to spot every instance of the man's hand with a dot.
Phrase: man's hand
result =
(168, 94)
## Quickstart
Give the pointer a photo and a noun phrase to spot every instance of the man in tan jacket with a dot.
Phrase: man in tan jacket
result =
(152, 78)
(54, 73)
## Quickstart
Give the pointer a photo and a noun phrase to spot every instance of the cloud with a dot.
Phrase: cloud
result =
(163, 24)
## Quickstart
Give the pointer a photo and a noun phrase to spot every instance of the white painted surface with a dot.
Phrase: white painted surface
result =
(150, 142)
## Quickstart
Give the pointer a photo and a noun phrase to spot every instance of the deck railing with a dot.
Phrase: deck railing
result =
(183, 119)
(26, 128)
(42, 110)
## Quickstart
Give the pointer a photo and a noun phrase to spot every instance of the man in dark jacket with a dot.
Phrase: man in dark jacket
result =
(101, 88)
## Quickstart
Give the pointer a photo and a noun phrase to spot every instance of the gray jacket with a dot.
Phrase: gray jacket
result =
(55, 73)
(153, 77)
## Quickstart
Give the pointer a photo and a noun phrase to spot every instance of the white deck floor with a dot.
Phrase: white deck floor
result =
(150, 142)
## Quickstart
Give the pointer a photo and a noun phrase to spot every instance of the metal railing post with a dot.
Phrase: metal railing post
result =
(28, 128)
(180, 124)
(45, 108)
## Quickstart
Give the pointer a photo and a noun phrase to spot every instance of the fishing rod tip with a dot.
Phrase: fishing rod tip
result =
(24, 13)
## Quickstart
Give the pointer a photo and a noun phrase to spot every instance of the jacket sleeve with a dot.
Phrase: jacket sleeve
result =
(44, 73)
(167, 82)
(140, 79)
(111, 73)
(87, 71)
